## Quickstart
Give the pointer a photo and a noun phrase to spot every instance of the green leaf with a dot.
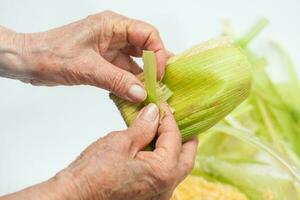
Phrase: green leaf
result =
(150, 76)
(258, 181)
(252, 33)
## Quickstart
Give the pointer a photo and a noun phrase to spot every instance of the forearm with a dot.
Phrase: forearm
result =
(12, 61)
(54, 189)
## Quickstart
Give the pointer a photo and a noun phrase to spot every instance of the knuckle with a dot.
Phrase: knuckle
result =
(121, 138)
(118, 82)
(108, 12)
(124, 138)
(92, 17)
(113, 135)
(117, 141)
(155, 31)
(165, 175)
(149, 27)
(107, 15)
(167, 179)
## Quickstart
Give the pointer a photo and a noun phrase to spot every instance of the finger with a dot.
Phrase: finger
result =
(123, 84)
(187, 157)
(161, 60)
(144, 127)
(169, 138)
(145, 36)
(110, 77)
(169, 54)
(167, 195)
(132, 51)
(127, 63)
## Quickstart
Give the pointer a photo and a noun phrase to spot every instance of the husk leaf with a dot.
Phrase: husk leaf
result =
(207, 82)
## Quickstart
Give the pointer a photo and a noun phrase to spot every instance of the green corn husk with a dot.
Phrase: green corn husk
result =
(256, 147)
(202, 85)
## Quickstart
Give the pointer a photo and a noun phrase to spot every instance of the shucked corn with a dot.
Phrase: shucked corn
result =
(197, 188)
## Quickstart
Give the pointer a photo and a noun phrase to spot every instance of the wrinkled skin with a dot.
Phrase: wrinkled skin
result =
(97, 51)
(127, 171)
(117, 168)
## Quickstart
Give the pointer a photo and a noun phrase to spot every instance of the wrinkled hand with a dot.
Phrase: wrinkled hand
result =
(97, 51)
(116, 167)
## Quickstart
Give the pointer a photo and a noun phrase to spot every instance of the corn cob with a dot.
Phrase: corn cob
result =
(202, 85)
(197, 188)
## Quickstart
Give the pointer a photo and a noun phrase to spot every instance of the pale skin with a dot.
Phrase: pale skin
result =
(98, 51)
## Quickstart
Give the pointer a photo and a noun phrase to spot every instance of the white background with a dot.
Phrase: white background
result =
(43, 129)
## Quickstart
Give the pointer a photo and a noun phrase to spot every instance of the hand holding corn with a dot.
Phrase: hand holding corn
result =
(202, 85)
(95, 51)
(117, 168)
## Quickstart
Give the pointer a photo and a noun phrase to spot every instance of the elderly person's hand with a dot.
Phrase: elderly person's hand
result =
(97, 51)
(117, 168)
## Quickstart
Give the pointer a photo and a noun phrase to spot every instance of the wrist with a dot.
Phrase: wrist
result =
(55, 188)
(61, 186)
(12, 63)
(82, 186)
(68, 186)
(17, 58)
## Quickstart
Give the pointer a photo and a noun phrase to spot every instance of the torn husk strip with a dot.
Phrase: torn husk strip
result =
(150, 80)
(150, 76)
(130, 110)
(207, 81)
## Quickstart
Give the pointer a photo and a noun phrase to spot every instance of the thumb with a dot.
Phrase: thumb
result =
(144, 127)
(121, 83)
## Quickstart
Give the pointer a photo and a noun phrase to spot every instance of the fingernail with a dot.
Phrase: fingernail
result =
(150, 112)
(137, 93)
